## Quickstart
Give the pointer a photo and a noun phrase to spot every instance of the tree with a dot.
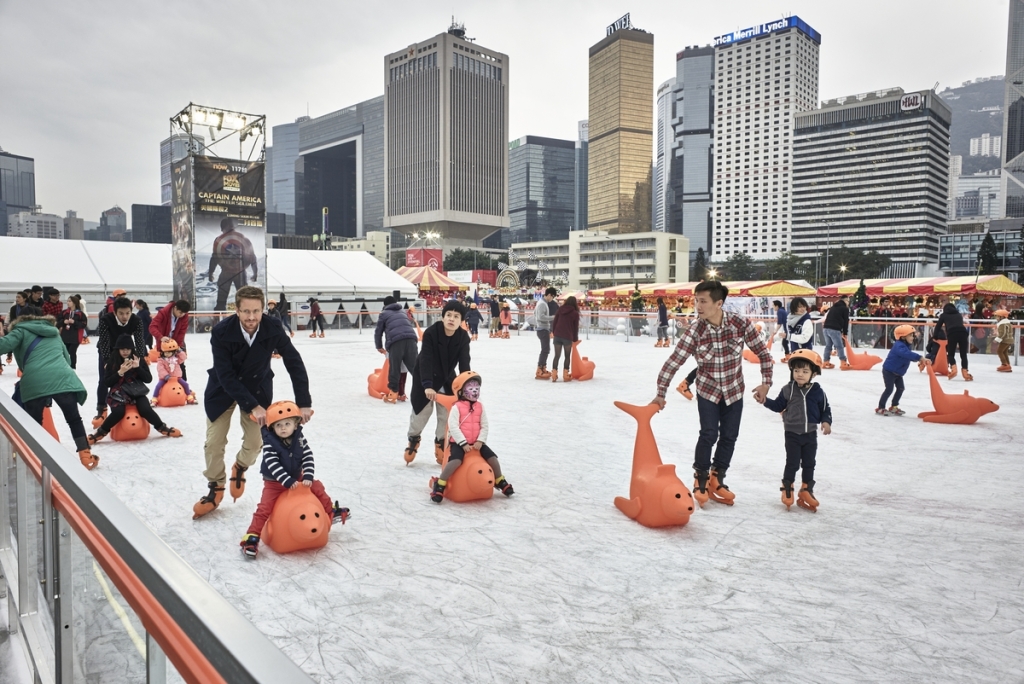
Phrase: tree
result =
(739, 267)
(786, 266)
(861, 300)
(859, 264)
(463, 260)
(988, 256)
(699, 271)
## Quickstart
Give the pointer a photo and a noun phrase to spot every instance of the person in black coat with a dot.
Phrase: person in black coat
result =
(243, 345)
(112, 325)
(142, 311)
(951, 324)
(837, 322)
(445, 347)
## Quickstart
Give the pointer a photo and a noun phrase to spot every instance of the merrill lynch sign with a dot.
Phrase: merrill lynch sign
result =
(620, 23)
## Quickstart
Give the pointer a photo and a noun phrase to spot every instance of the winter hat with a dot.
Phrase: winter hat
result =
(124, 342)
(389, 300)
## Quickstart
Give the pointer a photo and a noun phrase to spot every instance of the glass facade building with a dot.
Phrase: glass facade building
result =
(541, 189)
(959, 247)
(662, 155)
(151, 223)
(582, 158)
(620, 129)
(1012, 196)
(171, 150)
(17, 186)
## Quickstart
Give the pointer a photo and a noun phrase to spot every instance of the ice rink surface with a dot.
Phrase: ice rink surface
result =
(911, 570)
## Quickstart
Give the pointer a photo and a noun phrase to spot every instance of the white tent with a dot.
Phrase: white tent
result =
(332, 274)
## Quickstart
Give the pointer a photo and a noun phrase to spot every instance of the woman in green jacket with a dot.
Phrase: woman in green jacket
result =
(47, 375)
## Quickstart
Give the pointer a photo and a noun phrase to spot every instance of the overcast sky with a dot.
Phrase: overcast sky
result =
(87, 88)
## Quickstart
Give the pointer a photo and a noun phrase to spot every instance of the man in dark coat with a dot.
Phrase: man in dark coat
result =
(243, 345)
(396, 326)
(837, 322)
(445, 347)
(111, 326)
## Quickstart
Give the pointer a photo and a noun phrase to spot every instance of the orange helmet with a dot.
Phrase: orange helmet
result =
(280, 410)
(463, 378)
(269, 302)
(807, 355)
(903, 330)
(473, 305)
(119, 292)
(1002, 313)
(169, 345)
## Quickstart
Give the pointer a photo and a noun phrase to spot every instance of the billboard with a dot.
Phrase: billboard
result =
(433, 258)
(220, 233)
(769, 27)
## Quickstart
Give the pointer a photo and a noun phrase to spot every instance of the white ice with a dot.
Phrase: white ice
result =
(910, 571)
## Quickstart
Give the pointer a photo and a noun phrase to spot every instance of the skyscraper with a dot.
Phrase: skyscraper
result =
(763, 76)
(620, 130)
(446, 138)
(689, 206)
(1013, 116)
(663, 154)
(171, 150)
(869, 173)
(582, 162)
(541, 189)
(151, 223)
(281, 171)
(17, 186)
(113, 225)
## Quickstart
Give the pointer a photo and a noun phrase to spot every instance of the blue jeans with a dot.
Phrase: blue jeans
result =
(834, 338)
(891, 380)
(718, 423)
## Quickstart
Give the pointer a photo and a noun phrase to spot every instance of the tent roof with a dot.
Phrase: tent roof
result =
(428, 279)
(737, 288)
(879, 287)
(348, 273)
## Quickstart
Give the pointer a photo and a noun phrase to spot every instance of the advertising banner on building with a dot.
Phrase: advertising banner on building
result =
(229, 230)
(433, 258)
(182, 247)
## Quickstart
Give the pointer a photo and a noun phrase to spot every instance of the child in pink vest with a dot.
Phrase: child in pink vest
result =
(169, 366)
(467, 429)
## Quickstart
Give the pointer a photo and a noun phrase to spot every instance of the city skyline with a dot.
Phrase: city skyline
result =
(287, 57)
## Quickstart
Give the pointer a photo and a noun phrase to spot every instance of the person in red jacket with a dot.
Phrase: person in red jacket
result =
(52, 306)
(171, 323)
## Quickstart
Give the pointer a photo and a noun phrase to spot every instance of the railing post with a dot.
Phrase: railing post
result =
(5, 526)
(26, 540)
(46, 518)
(156, 662)
(63, 625)
(1016, 345)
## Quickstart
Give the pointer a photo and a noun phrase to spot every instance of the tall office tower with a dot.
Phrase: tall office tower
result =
(620, 130)
(74, 227)
(662, 154)
(541, 189)
(690, 169)
(339, 168)
(17, 186)
(582, 160)
(446, 139)
(280, 177)
(764, 75)
(151, 223)
(869, 173)
(113, 225)
(956, 169)
(171, 150)
(1012, 197)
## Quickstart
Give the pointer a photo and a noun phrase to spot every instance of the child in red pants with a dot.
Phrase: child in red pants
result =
(287, 464)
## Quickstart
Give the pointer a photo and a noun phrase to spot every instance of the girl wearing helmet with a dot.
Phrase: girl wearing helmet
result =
(895, 367)
(169, 366)
(804, 406)
(287, 463)
(467, 429)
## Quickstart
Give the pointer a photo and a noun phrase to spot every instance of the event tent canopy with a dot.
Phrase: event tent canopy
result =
(332, 273)
(983, 285)
(737, 288)
(427, 278)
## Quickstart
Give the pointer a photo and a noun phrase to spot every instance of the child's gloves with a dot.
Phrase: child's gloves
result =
(922, 363)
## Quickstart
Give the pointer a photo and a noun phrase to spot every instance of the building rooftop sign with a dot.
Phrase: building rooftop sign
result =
(621, 23)
(762, 29)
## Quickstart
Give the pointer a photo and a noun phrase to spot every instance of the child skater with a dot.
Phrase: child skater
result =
(169, 366)
(123, 369)
(506, 319)
(473, 318)
(467, 429)
(803, 406)
(287, 463)
(895, 367)
(1004, 338)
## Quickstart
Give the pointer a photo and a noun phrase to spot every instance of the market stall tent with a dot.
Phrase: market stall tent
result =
(737, 288)
(428, 279)
(989, 285)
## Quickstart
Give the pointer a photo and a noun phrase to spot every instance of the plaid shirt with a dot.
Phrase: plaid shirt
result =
(719, 355)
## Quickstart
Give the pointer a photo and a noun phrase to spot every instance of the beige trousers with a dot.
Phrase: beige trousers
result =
(217, 442)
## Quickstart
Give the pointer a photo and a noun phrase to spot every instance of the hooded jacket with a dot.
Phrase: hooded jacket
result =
(949, 320)
(48, 371)
(899, 358)
(805, 408)
(394, 324)
(567, 323)
(838, 317)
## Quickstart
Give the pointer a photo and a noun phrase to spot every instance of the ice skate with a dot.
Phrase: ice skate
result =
(684, 389)
(881, 412)
(787, 493)
(402, 397)
(1005, 368)
(87, 458)
(237, 481)
(967, 376)
(806, 497)
(340, 514)
(502, 485)
(250, 545)
(209, 501)
(391, 397)
(437, 490)
(554, 375)
(952, 372)
(410, 451)
(322, 335)
(566, 375)
(700, 487)
(96, 437)
(845, 365)
(169, 431)
(896, 411)
(191, 398)
(101, 416)
(313, 335)
(542, 373)
(717, 489)
(828, 365)
(439, 451)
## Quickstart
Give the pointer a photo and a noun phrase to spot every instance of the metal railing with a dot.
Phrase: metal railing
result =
(95, 594)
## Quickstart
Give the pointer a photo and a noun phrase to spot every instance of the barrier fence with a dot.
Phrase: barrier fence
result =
(95, 595)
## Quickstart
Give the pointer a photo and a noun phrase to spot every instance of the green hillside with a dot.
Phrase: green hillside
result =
(970, 121)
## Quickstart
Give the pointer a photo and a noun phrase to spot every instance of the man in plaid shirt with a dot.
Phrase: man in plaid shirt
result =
(716, 342)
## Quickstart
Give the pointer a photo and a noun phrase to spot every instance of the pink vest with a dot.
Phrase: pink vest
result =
(469, 420)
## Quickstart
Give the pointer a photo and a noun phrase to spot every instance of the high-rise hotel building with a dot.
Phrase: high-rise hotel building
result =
(446, 139)
(764, 75)
(870, 173)
(1013, 116)
(621, 128)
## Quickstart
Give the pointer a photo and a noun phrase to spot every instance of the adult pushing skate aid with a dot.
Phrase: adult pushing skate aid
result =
(657, 497)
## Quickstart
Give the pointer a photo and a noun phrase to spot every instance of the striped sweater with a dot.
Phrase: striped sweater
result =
(286, 463)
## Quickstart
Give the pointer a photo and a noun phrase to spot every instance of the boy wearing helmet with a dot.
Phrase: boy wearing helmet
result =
(287, 463)
(803, 406)
(169, 366)
(467, 429)
(1004, 338)
(895, 367)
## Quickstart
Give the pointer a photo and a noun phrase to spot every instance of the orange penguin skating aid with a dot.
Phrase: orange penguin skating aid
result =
(377, 381)
(172, 394)
(298, 522)
(131, 427)
(861, 361)
(474, 479)
(954, 408)
(657, 497)
(582, 367)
